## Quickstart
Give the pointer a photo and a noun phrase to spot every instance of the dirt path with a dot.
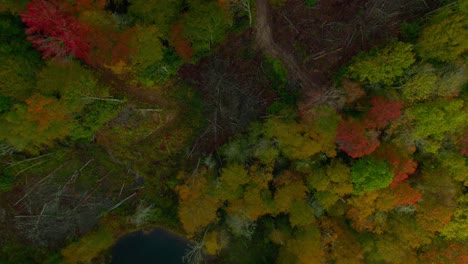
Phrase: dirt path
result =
(264, 39)
(135, 94)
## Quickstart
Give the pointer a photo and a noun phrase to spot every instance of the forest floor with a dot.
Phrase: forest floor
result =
(265, 41)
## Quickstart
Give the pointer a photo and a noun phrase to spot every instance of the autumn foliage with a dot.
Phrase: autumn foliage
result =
(382, 112)
(446, 253)
(406, 195)
(180, 44)
(354, 139)
(463, 144)
(54, 31)
(44, 111)
(402, 165)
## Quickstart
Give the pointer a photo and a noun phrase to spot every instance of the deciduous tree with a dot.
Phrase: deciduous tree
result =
(382, 112)
(442, 252)
(197, 209)
(159, 13)
(149, 49)
(321, 125)
(401, 163)
(368, 175)
(383, 65)
(456, 228)
(205, 25)
(292, 139)
(434, 121)
(353, 138)
(20, 62)
(54, 31)
(181, 45)
(31, 127)
(443, 38)
(305, 246)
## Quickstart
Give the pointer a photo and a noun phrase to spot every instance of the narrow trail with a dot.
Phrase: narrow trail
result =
(265, 42)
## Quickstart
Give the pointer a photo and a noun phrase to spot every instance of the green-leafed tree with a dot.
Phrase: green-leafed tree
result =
(323, 128)
(205, 25)
(233, 177)
(383, 65)
(73, 84)
(444, 37)
(292, 138)
(93, 116)
(421, 86)
(301, 213)
(330, 183)
(429, 83)
(434, 121)
(368, 175)
(160, 13)
(287, 194)
(36, 124)
(304, 247)
(20, 61)
(456, 228)
(148, 46)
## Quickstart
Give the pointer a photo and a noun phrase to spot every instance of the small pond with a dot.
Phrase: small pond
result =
(156, 246)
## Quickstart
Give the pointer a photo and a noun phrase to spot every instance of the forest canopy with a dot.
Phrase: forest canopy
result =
(263, 131)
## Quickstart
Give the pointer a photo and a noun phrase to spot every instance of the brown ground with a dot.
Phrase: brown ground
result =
(265, 42)
(313, 42)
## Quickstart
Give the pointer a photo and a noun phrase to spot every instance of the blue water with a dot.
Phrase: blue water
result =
(156, 247)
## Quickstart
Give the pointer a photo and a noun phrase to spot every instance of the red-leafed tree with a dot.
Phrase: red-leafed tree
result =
(108, 47)
(180, 44)
(463, 144)
(402, 165)
(354, 139)
(54, 31)
(382, 112)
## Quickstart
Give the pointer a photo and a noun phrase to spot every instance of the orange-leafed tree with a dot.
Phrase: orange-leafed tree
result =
(433, 215)
(406, 195)
(45, 111)
(442, 252)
